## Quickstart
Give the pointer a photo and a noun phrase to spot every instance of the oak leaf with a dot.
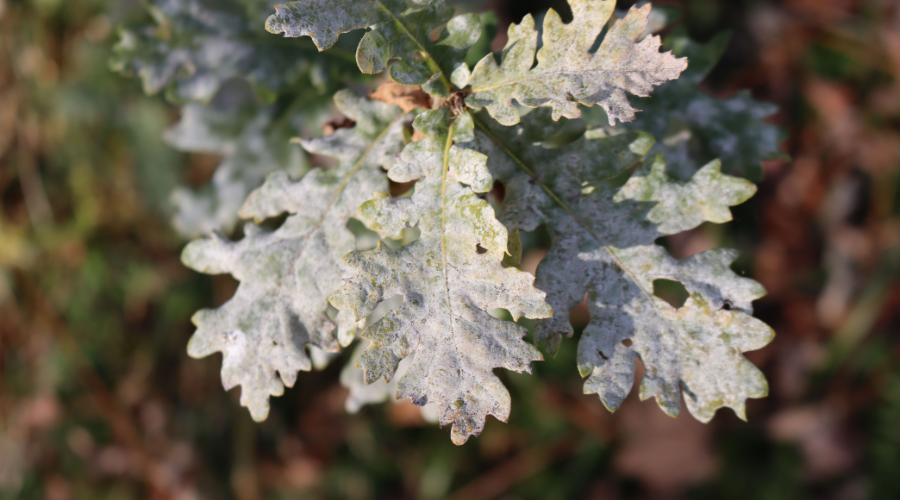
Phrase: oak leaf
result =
(449, 278)
(286, 275)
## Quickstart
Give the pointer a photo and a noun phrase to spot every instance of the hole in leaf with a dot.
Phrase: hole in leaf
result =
(322, 161)
(497, 193)
(627, 342)
(273, 223)
(671, 291)
(401, 189)
(337, 124)
(480, 249)
(727, 305)
(604, 356)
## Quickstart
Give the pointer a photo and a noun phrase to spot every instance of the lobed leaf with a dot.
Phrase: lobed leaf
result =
(603, 225)
(449, 278)
(361, 394)
(567, 73)
(195, 46)
(286, 275)
(253, 140)
(202, 51)
(693, 128)
(399, 39)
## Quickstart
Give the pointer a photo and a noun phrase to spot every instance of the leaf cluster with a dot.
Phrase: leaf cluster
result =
(244, 94)
(605, 198)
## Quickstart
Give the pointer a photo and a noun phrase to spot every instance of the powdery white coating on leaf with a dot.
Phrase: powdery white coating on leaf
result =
(325, 20)
(286, 275)
(693, 128)
(447, 284)
(685, 205)
(603, 236)
(399, 39)
(362, 394)
(695, 350)
(195, 46)
(252, 143)
(206, 51)
(567, 73)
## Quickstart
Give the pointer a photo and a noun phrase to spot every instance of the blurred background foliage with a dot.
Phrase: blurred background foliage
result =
(98, 399)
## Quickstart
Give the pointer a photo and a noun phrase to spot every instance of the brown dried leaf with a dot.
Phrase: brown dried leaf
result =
(408, 97)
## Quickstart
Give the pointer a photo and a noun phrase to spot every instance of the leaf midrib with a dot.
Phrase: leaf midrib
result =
(444, 171)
